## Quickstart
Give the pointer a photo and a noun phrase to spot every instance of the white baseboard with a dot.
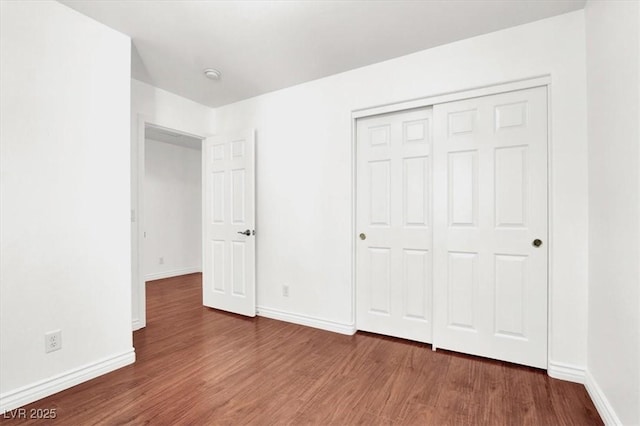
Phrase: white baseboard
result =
(27, 394)
(136, 324)
(568, 372)
(601, 402)
(322, 324)
(172, 273)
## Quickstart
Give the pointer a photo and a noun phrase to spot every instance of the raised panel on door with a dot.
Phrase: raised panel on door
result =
(229, 211)
(415, 280)
(379, 193)
(217, 197)
(379, 260)
(490, 203)
(218, 265)
(393, 197)
(462, 188)
(511, 186)
(238, 268)
(462, 289)
(511, 278)
(415, 192)
(238, 197)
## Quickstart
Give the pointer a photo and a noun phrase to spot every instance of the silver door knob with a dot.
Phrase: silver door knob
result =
(363, 236)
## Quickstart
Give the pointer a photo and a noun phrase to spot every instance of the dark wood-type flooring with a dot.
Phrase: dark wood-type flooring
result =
(199, 366)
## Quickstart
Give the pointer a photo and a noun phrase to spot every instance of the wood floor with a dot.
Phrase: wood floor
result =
(200, 366)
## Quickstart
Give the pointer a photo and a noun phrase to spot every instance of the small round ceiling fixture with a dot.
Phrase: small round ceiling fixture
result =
(212, 74)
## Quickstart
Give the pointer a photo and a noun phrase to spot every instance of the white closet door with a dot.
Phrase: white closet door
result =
(228, 279)
(490, 198)
(393, 245)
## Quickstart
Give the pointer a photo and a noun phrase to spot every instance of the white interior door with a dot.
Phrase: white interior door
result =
(229, 222)
(393, 204)
(490, 198)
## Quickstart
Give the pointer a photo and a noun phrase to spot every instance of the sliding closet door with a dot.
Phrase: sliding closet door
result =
(393, 224)
(490, 226)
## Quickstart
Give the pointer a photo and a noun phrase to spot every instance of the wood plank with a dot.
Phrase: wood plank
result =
(196, 365)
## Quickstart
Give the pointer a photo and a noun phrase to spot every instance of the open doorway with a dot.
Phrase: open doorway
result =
(172, 204)
(169, 207)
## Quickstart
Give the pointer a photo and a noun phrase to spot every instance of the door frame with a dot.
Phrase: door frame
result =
(474, 92)
(137, 215)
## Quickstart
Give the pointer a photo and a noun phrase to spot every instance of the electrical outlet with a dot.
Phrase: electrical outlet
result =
(285, 290)
(161, 261)
(53, 341)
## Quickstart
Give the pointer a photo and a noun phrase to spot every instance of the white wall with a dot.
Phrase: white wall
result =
(304, 169)
(613, 71)
(162, 108)
(172, 210)
(65, 260)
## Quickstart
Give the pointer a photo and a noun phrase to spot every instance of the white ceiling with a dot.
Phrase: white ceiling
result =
(261, 46)
(169, 136)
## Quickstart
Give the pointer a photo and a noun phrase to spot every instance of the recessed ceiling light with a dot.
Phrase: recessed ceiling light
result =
(212, 74)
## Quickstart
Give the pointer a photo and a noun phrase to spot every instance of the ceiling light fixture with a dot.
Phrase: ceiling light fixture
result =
(212, 74)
